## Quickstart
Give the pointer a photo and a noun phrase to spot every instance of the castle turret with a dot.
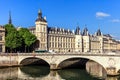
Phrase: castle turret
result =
(41, 31)
(86, 40)
(98, 33)
(77, 31)
(85, 32)
(100, 36)
(78, 40)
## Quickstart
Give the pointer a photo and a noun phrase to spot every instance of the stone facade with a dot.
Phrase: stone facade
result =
(60, 40)
(2, 39)
(64, 40)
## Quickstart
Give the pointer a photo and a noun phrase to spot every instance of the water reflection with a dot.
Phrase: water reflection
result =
(112, 78)
(43, 73)
(9, 73)
(75, 74)
(35, 71)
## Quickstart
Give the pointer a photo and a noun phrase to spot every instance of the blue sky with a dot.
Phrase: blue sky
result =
(95, 14)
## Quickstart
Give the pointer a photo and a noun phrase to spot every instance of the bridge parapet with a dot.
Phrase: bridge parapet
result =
(104, 53)
(51, 54)
(8, 54)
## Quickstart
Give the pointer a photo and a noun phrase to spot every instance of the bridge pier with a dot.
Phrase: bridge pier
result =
(111, 71)
(53, 67)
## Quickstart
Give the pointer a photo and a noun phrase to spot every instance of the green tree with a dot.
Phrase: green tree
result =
(18, 40)
(12, 38)
(9, 28)
(13, 41)
(28, 38)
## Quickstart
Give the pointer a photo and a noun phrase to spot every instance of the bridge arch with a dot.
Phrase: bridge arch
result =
(33, 60)
(73, 63)
(82, 57)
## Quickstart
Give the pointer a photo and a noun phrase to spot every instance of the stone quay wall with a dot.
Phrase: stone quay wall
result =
(7, 60)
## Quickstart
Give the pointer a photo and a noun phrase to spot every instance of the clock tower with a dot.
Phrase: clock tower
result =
(41, 31)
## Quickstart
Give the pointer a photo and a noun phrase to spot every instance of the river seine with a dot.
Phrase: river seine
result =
(93, 71)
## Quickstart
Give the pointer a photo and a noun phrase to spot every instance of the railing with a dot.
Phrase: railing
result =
(8, 54)
(68, 53)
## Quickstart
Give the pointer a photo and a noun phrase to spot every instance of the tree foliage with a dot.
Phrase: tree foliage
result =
(18, 40)
(9, 28)
(13, 40)
(28, 38)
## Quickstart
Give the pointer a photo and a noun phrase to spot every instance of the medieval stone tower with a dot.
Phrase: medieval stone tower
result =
(41, 31)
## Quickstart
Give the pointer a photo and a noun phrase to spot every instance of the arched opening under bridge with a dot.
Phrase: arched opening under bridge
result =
(31, 61)
(73, 63)
(91, 66)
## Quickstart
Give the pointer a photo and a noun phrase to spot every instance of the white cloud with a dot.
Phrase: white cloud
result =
(116, 20)
(102, 14)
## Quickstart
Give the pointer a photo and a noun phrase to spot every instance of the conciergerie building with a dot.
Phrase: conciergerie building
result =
(64, 40)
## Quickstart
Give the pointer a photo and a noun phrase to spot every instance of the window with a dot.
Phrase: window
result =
(0, 38)
(0, 47)
(44, 29)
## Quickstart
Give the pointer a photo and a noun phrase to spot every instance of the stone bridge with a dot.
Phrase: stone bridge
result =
(110, 62)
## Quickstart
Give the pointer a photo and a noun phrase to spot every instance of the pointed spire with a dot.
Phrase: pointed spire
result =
(39, 11)
(40, 18)
(77, 31)
(85, 31)
(10, 20)
(98, 32)
(40, 14)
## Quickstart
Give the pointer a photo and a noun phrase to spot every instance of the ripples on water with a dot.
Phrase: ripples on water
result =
(44, 73)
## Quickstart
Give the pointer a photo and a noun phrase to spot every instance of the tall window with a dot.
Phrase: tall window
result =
(0, 47)
(0, 38)
(44, 29)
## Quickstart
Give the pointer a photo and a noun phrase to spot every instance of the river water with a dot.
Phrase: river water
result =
(93, 71)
